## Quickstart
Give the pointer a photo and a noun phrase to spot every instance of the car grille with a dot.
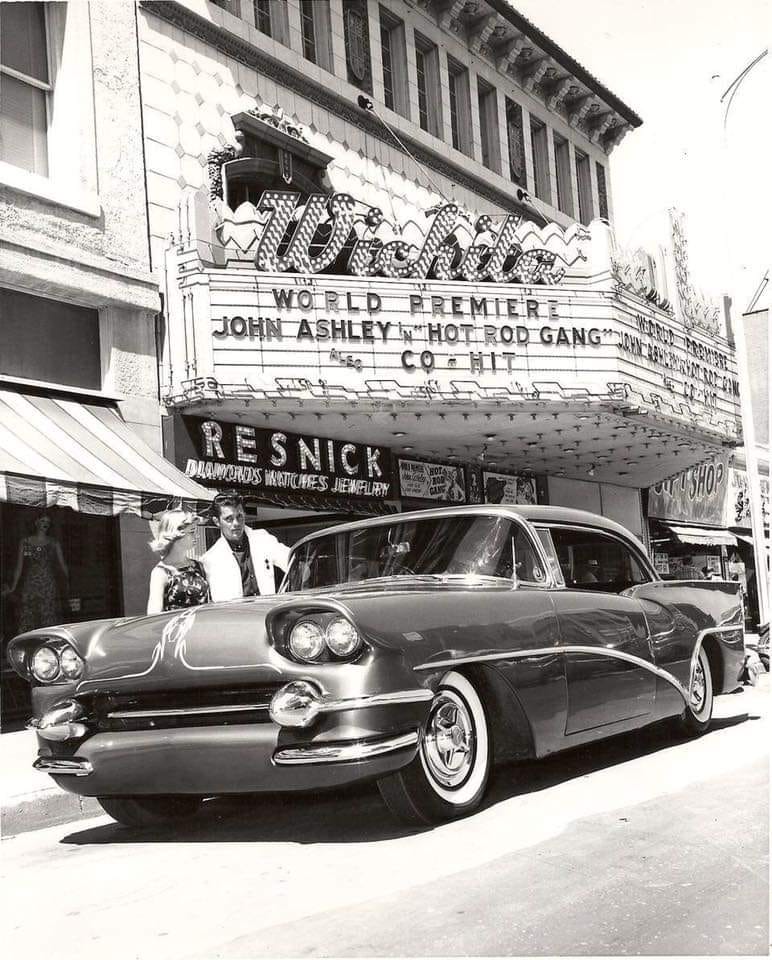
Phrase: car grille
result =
(171, 709)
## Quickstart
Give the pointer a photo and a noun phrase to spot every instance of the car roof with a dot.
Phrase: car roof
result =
(532, 513)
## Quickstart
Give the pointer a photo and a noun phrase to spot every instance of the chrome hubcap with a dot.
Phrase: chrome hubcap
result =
(449, 741)
(697, 698)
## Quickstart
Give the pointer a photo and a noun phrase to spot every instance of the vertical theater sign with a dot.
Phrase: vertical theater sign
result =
(311, 313)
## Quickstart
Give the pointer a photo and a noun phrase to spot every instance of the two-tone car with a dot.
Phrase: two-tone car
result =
(417, 650)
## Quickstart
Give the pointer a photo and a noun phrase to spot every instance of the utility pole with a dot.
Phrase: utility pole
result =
(760, 550)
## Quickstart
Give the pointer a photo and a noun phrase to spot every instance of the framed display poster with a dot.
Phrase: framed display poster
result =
(419, 480)
(508, 488)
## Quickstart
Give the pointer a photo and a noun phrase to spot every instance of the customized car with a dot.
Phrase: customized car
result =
(417, 650)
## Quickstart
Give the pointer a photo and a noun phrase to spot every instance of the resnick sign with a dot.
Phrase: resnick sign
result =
(230, 454)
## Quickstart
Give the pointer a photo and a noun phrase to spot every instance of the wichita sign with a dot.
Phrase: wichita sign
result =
(329, 228)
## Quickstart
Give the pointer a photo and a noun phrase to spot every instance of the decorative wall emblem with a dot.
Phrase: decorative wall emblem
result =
(357, 42)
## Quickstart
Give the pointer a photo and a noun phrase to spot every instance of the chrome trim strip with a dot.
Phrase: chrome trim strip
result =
(545, 651)
(374, 700)
(185, 711)
(339, 753)
(73, 768)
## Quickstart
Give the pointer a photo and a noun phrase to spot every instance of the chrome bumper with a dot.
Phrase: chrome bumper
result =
(340, 753)
(73, 768)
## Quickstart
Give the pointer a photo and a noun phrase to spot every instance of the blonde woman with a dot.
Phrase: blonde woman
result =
(176, 581)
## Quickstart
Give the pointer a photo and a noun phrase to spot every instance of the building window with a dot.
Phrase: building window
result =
(394, 62)
(541, 163)
(602, 192)
(427, 65)
(563, 175)
(49, 341)
(262, 10)
(515, 142)
(488, 107)
(309, 30)
(460, 107)
(585, 186)
(25, 86)
(271, 19)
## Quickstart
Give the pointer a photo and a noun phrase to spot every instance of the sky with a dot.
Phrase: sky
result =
(671, 61)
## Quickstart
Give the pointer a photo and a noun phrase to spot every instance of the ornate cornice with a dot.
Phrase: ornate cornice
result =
(600, 129)
(451, 12)
(559, 92)
(482, 31)
(579, 110)
(286, 76)
(534, 73)
(508, 53)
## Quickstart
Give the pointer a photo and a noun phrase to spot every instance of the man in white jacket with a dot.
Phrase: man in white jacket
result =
(241, 562)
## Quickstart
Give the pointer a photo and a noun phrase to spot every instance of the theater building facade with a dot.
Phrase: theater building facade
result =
(390, 278)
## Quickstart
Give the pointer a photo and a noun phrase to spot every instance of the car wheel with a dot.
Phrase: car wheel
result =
(151, 811)
(448, 776)
(699, 709)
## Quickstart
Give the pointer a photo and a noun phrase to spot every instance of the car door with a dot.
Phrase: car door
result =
(604, 635)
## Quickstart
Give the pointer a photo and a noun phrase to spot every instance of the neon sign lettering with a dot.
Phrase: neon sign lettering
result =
(441, 256)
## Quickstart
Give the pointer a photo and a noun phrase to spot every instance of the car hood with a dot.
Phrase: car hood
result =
(226, 642)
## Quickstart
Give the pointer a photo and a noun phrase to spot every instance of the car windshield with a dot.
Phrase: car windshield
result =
(478, 546)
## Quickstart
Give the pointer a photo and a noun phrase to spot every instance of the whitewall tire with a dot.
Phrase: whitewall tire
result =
(699, 709)
(449, 775)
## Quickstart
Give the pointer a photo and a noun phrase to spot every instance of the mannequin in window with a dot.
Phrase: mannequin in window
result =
(40, 569)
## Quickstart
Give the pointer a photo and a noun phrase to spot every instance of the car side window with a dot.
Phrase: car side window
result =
(520, 552)
(591, 560)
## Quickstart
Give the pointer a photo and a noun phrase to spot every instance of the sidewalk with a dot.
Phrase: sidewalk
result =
(31, 800)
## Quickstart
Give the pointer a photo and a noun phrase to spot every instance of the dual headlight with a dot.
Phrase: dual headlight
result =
(50, 663)
(309, 640)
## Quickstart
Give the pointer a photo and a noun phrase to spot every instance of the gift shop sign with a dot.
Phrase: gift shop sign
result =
(694, 496)
(226, 454)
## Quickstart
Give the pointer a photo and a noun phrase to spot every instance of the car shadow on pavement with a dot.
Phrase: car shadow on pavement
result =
(356, 814)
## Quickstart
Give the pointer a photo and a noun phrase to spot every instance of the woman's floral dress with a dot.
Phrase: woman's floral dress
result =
(185, 586)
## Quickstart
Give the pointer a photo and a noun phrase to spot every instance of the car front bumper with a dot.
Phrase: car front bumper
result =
(361, 739)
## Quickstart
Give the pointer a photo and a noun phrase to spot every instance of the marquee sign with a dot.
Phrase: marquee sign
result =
(221, 454)
(342, 235)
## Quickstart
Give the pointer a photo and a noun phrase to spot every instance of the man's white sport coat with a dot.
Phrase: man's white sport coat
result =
(223, 571)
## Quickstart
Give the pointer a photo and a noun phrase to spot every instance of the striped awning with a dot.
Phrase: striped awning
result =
(702, 536)
(56, 451)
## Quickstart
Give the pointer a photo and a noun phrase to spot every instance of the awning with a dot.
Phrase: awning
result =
(704, 536)
(56, 451)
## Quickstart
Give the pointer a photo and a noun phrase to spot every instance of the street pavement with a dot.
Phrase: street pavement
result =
(645, 844)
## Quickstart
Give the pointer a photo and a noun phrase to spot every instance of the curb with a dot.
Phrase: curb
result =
(46, 808)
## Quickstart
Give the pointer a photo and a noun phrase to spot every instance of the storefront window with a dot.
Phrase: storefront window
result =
(56, 566)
